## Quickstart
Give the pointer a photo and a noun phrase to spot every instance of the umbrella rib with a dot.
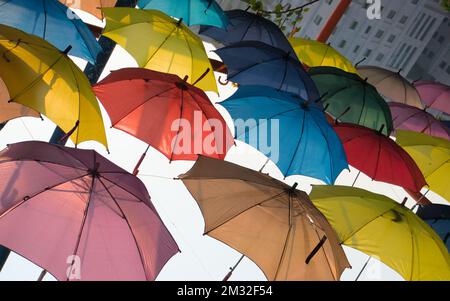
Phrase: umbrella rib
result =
(250, 24)
(129, 227)
(179, 124)
(161, 45)
(79, 101)
(363, 104)
(284, 74)
(283, 251)
(298, 143)
(236, 215)
(190, 51)
(378, 158)
(412, 250)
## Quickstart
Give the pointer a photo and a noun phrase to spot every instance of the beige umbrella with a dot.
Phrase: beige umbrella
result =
(91, 6)
(391, 85)
(12, 110)
(268, 221)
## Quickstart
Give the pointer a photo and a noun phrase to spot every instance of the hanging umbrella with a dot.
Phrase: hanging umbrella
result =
(53, 22)
(50, 83)
(317, 54)
(73, 210)
(91, 6)
(160, 43)
(438, 217)
(270, 222)
(246, 26)
(434, 95)
(193, 12)
(350, 99)
(380, 227)
(432, 155)
(156, 103)
(256, 63)
(12, 110)
(300, 138)
(413, 119)
(391, 85)
(379, 157)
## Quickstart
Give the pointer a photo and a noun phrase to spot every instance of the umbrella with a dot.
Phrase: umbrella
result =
(438, 217)
(193, 12)
(350, 99)
(160, 43)
(432, 155)
(53, 22)
(246, 26)
(256, 63)
(270, 222)
(10, 111)
(156, 103)
(300, 138)
(317, 54)
(379, 157)
(391, 85)
(91, 6)
(380, 227)
(413, 119)
(50, 83)
(73, 210)
(434, 95)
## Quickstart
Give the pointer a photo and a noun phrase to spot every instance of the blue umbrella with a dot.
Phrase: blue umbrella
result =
(438, 217)
(193, 12)
(301, 141)
(52, 21)
(256, 63)
(246, 26)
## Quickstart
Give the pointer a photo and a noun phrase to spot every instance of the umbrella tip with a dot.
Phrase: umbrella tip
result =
(66, 51)
(294, 186)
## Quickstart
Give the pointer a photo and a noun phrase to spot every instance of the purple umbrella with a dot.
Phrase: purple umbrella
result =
(413, 119)
(79, 216)
(434, 95)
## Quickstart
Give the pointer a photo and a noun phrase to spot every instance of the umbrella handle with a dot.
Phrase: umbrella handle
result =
(42, 275)
(227, 276)
(223, 83)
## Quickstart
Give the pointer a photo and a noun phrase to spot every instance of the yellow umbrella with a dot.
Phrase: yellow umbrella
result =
(161, 43)
(432, 155)
(380, 227)
(315, 54)
(45, 79)
(10, 111)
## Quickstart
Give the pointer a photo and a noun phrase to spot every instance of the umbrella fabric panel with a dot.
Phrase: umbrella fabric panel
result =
(10, 111)
(434, 95)
(53, 22)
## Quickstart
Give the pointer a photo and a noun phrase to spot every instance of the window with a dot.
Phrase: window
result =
(414, 1)
(342, 44)
(356, 49)
(441, 39)
(368, 29)
(368, 52)
(317, 19)
(430, 54)
(380, 56)
(391, 14)
(353, 25)
(379, 34)
(403, 19)
(442, 65)
(435, 34)
(391, 38)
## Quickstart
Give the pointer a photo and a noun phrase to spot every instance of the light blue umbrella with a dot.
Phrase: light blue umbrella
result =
(291, 131)
(193, 12)
(52, 21)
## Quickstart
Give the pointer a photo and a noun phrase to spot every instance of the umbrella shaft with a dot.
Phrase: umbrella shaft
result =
(363, 268)
(42, 275)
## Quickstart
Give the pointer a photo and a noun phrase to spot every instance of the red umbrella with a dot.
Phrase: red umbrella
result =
(164, 111)
(379, 157)
(78, 215)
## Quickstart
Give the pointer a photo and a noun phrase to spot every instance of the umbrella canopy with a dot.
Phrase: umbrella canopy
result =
(161, 109)
(160, 43)
(300, 138)
(434, 95)
(256, 63)
(12, 110)
(379, 157)
(391, 85)
(438, 217)
(53, 22)
(432, 155)
(380, 227)
(193, 12)
(91, 6)
(350, 99)
(50, 83)
(247, 26)
(61, 204)
(317, 54)
(413, 119)
(271, 223)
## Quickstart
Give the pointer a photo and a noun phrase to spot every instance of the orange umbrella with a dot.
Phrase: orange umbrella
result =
(91, 6)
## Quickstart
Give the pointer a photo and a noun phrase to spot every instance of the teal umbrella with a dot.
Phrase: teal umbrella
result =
(193, 12)
(349, 98)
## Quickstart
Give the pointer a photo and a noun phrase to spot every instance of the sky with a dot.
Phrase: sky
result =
(202, 257)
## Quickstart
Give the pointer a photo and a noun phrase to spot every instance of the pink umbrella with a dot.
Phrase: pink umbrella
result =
(413, 119)
(78, 215)
(434, 95)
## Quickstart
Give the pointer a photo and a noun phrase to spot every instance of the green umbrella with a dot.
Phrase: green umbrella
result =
(351, 99)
